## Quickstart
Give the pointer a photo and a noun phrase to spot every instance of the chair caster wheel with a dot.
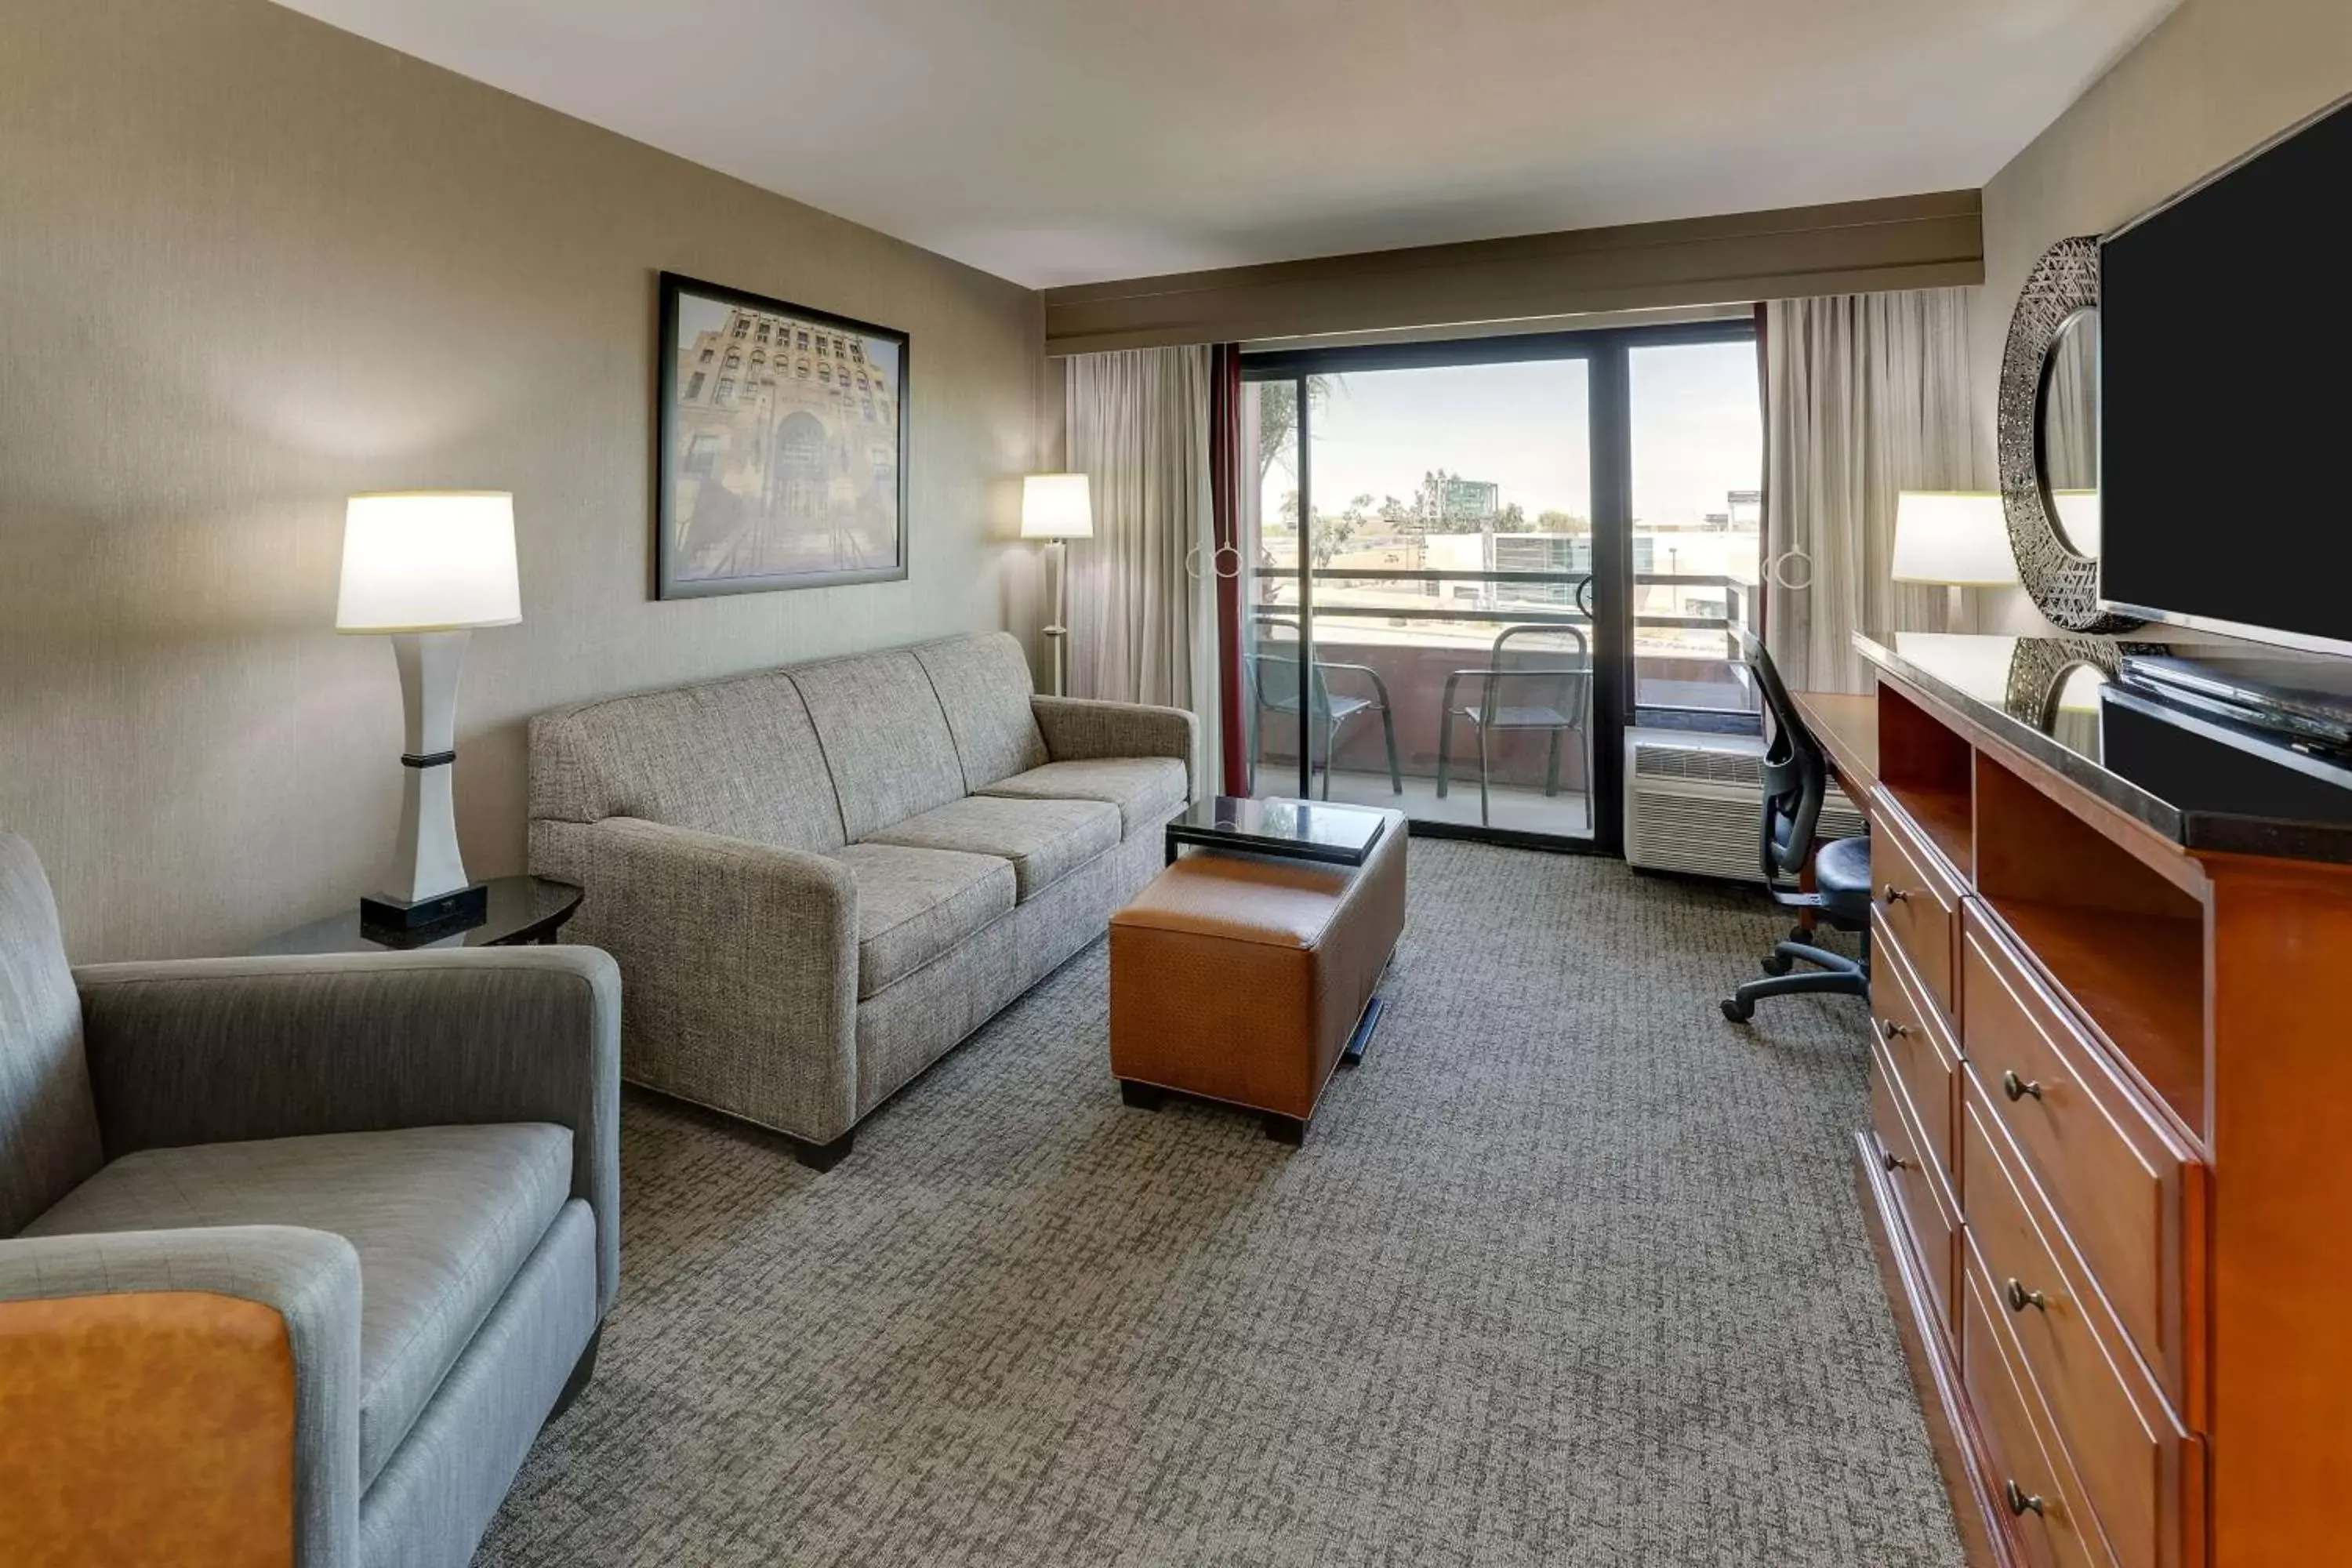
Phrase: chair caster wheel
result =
(1804, 938)
(1779, 963)
(1738, 1011)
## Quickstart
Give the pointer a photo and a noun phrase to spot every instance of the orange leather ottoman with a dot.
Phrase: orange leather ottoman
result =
(1243, 978)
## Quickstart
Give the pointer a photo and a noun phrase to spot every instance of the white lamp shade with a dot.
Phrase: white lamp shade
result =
(1959, 539)
(1056, 506)
(428, 561)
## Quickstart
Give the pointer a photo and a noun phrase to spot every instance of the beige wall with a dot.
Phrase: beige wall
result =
(2218, 79)
(249, 264)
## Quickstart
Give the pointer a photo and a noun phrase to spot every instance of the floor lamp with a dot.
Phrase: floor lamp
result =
(1054, 508)
(427, 567)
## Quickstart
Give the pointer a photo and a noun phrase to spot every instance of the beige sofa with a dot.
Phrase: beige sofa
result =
(818, 879)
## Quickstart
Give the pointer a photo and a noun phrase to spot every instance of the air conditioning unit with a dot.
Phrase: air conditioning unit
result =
(1693, 801)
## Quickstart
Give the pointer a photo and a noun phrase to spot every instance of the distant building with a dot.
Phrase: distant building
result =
(1450, 504)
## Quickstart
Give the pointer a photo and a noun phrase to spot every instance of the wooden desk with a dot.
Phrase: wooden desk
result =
(1847, 728)
(2105, 1161)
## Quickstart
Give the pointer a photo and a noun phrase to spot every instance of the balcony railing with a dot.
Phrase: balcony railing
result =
(1411, 672)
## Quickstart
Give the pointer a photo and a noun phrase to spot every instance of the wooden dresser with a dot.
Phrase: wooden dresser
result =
(2109, 1157)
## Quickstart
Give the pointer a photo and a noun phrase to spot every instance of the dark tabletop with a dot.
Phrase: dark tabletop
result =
(521, 910)
(1302, 829)
(2204, 783)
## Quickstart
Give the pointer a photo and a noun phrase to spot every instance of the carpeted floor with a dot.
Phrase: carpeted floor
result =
(1569, 1272)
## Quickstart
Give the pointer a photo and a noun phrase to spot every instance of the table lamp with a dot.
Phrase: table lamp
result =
(1959, 539)
(1055, 507)
(427, 567)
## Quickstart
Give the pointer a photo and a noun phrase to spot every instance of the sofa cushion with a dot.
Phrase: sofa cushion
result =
(914, 904)
(48, 1124)
(885, 740)
(739, 757)
(984, 689)
(1045, 839)
(440, 1217)
(1145, 789)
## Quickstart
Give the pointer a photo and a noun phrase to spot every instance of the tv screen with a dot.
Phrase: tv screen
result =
(2225, 461)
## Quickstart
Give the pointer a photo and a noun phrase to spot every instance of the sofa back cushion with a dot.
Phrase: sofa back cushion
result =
(984, 689)
(49, 1127)
(885, 737)
(736, 757)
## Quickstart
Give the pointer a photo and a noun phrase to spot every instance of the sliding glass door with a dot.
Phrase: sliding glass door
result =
(1440, 565)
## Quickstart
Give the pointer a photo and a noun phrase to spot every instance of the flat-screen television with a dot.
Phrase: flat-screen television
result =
(2225, 398)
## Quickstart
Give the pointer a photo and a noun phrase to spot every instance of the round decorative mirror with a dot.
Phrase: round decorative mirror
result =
(2068, 434)
(2049, 437)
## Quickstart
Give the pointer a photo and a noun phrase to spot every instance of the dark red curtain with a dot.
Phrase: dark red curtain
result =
(1225, 482)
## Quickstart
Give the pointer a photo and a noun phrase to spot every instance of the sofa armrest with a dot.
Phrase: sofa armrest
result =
(221, 1050)
(1080, 729)
(164, 1391)
(741, 966)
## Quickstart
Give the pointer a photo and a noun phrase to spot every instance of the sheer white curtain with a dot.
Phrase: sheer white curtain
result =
(1865, 397)
(1143, 625)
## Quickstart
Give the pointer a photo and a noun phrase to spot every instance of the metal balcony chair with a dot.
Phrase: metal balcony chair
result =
(1522, 688)
(1795, 781)
(1273, 683)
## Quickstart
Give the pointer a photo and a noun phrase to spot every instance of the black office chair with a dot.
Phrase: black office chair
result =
(1796, 779)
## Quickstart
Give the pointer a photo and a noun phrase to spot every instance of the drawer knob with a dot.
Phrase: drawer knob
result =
(2020, 1501)
(2017, 1087)
(1893, 1161)
(1893, 1030)
(2019, 1297)
(1895, 895)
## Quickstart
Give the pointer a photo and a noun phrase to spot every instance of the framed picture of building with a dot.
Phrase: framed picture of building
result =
(783, 445)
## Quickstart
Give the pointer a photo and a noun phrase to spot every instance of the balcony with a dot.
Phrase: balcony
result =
(1411, 635)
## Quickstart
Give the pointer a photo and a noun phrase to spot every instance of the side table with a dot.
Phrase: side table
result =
(523, 910)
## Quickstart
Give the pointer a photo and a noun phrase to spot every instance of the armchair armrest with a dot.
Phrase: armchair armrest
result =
(221, 1050)
(161, 1392)
(741, 961)
(1078, 729)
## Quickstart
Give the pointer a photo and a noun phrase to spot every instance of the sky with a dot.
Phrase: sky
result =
(1695, 433)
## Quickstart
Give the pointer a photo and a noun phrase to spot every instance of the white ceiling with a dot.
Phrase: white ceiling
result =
(1068, 141)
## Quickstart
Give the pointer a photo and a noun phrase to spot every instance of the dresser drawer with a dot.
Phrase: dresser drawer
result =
(1919, 901)
(2035, 1490)
(2120, 1184)
(1933, 1221)
(2129, 1453)
(1917, 1040)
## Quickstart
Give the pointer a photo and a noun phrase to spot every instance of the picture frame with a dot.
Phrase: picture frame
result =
(781, 446)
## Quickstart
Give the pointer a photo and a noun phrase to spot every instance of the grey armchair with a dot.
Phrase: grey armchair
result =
(303, 1251)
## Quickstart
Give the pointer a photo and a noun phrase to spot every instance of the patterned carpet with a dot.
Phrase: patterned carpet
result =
(1569, 1272)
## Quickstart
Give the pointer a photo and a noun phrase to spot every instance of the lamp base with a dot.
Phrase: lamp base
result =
(465, 906)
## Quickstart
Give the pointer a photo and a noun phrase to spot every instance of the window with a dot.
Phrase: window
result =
(706, 354)
(1558, 525)
(868, 406)
(820, 348)
(734, 358)
(1698, 423)
(694, 387)
(825, 373)
(726, 388)
(802, 370)
(803, 344)
(742, 327)
(763, 331)
(702, 453)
